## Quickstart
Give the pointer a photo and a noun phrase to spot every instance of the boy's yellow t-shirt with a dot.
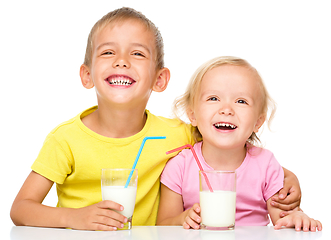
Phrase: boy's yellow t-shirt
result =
(72, 156)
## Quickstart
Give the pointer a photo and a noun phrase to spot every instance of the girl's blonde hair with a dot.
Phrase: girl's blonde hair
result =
(184, 104)
(120, 15)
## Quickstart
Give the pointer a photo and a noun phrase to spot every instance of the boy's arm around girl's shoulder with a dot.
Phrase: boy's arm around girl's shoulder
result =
(28, 210)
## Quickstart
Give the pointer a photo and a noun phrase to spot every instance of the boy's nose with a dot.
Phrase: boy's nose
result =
(121, 63)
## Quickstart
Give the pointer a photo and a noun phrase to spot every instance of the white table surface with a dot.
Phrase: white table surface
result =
(163, 232)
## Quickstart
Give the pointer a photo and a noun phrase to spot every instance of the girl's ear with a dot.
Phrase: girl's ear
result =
(162, 80)
(85, 76)
(191, 116)
(259, 122)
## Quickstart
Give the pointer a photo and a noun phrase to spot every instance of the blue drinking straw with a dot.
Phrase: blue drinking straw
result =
(137, 157)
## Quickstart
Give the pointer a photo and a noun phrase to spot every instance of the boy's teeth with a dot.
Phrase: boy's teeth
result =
(120, 81)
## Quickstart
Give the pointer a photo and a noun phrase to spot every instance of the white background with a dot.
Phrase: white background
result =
(43, 45)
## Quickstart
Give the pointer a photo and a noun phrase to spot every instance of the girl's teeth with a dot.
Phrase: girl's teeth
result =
(225, 125)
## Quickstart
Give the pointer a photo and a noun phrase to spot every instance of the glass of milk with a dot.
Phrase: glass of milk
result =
(113, 187)
(218, 207)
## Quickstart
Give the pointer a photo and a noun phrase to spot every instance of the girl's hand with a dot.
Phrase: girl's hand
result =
(100, 216)
(290, 196)
(299, 220)
(192, 217)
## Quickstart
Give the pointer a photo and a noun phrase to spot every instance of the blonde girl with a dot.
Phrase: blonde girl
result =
(227, 103)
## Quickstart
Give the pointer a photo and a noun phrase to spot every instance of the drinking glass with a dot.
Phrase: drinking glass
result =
(218, 199)
(120, 186)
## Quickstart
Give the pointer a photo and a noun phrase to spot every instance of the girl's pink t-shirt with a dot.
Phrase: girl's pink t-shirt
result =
(259, 177)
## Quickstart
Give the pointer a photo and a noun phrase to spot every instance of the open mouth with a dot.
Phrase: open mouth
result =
(120, 80)
(225, 126)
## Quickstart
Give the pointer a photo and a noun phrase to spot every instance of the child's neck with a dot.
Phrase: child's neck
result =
(116, 123)
(223, 159)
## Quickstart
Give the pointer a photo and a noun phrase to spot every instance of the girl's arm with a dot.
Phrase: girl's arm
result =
(296, 219)
(27, 210)
(290, 196)
(171, 210)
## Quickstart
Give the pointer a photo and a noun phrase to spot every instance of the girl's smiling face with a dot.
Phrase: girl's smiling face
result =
(227, 109)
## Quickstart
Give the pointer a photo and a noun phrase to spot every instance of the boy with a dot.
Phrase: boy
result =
(124, 62)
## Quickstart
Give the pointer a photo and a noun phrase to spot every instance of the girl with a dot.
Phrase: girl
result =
(227, 102)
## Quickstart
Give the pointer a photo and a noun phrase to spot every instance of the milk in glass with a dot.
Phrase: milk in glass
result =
(121, 195)
(218, 208)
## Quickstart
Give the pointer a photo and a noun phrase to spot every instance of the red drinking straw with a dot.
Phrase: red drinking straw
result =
(196, 159)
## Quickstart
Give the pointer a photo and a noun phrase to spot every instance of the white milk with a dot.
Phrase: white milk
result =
(218, 208)
(124, 196)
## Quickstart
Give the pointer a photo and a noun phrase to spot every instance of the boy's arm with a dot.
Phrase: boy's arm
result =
(296, 219)
(290, 195)
(171, 210)
(27, 210)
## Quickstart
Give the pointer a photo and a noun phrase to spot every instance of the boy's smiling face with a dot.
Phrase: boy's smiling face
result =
(123, 68)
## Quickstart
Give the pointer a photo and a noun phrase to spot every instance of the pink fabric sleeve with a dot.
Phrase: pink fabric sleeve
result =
(274, 178)
(172, 175)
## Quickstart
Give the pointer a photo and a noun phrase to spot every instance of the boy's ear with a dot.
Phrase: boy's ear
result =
(259, 122)
(191, 116)
(85, 76)
(162, 80)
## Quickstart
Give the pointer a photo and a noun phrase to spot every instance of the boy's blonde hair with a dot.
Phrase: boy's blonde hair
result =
(185, 103)
(120, 15)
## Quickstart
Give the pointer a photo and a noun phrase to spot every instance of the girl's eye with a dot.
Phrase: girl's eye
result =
(138, 54)
(107, 53)
(241, 101)
(212, 99)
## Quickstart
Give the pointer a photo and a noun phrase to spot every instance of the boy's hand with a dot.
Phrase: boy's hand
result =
(299, 220)
(100, 216)
(289, 196)
(192, 218)
(287, 201)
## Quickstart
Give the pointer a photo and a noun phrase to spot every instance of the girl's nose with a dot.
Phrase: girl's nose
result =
(226, 109)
